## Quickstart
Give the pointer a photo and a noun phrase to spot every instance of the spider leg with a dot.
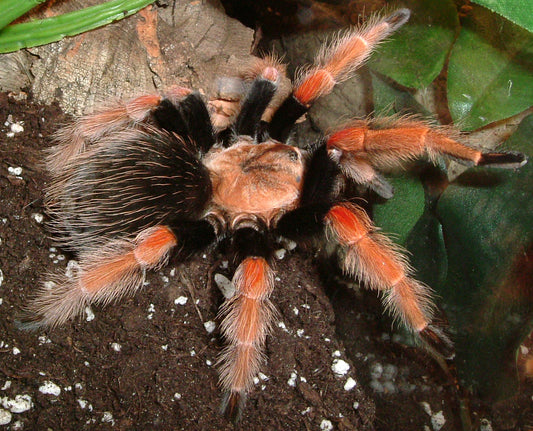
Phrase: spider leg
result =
(406, 139)
(260, 95)
(188, 118)
(247, 318)
(380, 264)
(336, 63)
(113, 270)
(73, 139)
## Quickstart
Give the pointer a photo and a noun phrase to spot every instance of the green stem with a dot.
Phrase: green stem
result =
(40, 32)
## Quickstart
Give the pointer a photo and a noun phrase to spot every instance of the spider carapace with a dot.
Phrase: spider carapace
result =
(138, 181)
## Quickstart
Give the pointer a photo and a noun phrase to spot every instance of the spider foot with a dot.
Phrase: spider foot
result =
(509, 160)
(436, 340)
(232, 405)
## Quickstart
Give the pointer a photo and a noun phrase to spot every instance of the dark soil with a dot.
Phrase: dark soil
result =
(164, 375)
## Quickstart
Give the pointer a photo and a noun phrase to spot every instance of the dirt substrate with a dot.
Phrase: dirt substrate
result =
(150, 362)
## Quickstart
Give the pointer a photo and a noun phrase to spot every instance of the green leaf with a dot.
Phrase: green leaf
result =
(40, 32)
(415, 55)
(398, 215)
(488, 231)
(518, 11)
(13, 9)
(490, 72)
(388, 98)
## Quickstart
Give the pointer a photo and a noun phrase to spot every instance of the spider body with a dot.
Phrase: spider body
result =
(137, 182)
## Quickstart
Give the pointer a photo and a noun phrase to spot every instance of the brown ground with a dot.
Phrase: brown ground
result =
(164, 376)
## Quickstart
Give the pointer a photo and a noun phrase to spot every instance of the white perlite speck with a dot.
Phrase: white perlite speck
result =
(89, 315)
(280, 253)
(38, 217)
(350, 384)
(437, 421)
(340, 367)
(225, 285)
(116, 347)
(108, 417)
(6, 386)
(5, 417)
(50, 388)
(15, 171)
(182, 300)
(326, 425)
(210, 326)
(20, 404)
(17, 128)
(1, 277)
(292, 379)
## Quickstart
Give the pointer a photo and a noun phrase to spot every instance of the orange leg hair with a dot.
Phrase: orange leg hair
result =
(247, 320)
(375, 260)
(73, 139)
(407, 139)
(104, 275)
(339, 60)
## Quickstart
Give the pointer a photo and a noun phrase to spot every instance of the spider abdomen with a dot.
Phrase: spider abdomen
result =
(256, 179)
(127, 182)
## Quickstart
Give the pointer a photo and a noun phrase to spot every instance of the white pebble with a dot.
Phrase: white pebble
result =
(89, 315)
(6, 386)
(1, 277)
(50, 388)
(390, 372)
(5, 417)
(280, 253)
(208, 362)
(116, 347)
(300, 332)
(437, 421)
(350, 384)
(177, 396)
(376, 370)
(20, 404)
(17, 128)
(15, 171)
(485, 425)
(326, 425)
(295, 311)
(38, 217)
(262, 376)
(151, 308)
(82, 403)
(164, 347)
(16, 351)
(225, 285)
(340, 367)
(377, 386)
(292, 379)
(426, 407)
(182, 300)
(290, 245)
(108, 417)
(355, 405)
(336, 354)
(210, 326)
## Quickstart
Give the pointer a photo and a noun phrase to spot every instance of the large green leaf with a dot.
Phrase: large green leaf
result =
(518, 11)
(400, 214)
(415, 55)
(490, 73)
(488, 229)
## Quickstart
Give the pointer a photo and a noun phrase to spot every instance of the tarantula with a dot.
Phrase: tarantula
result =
(137, 182)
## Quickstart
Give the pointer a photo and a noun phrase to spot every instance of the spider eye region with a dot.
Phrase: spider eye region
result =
(259, 179)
